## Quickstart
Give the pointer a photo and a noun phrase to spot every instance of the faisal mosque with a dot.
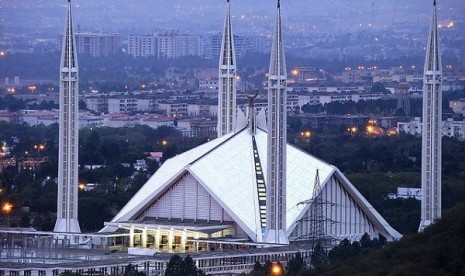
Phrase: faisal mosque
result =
(249, 184)
(247, 189)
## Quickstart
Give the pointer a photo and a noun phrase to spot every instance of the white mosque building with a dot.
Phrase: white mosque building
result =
(219, 193)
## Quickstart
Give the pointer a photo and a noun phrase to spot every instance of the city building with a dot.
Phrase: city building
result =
(143, 45)
(96, 44)
(458, 106)
(172, 44)
(448, 128)
(242, 45)
(406, 193)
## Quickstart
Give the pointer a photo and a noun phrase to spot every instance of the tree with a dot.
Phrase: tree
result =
(378, 87)
(318, 257)
(131, 270)
(295, 264)
(182, 267)
(188, 268)
(174, 266)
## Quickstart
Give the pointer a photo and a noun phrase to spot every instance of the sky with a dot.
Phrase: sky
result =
(205, 16)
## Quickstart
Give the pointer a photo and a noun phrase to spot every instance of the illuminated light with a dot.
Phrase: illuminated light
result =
(277, 269)
(306, 134)
(7, 207)
(295, 72)
(164, 143)
(41, 147)
(2, 54)
(82, 187)
(392, 132)
(352, 130)
(238, 77)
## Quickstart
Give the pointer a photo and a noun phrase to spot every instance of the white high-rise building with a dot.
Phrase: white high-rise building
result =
(142, 45)
(67, 211)
(431, 134)
(227, 79)
(276, 150)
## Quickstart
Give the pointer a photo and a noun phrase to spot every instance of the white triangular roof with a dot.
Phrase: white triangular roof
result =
(225, 168)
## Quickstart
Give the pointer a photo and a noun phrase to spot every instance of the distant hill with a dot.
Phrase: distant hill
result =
(440, 250)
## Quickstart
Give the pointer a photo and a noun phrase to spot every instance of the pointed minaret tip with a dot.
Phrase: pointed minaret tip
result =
(434, 3)
(279, 3)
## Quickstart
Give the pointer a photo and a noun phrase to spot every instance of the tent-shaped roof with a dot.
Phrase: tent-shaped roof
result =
(226, 168)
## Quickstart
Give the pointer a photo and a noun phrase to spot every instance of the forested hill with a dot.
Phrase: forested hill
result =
(440, 250)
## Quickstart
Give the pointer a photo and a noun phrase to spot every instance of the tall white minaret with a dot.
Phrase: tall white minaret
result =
(67, 211)
(276, 151)
(431, 132)
(227, 79)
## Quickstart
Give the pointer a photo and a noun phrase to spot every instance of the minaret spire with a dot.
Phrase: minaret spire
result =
(277, 123)
(431, 132)
(227, 79)
(252, 125)
(67, 211)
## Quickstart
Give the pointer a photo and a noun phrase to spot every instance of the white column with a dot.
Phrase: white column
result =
(196, 244)
(183, 240)
(131, 237)
(170, 239)
(144, 238)
(157, 238)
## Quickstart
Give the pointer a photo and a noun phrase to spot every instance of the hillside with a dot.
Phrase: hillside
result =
(440, 250)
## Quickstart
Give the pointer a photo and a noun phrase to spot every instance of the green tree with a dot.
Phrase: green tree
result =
(295, 264)
(188, 268)
(131, 270)
(174, 266)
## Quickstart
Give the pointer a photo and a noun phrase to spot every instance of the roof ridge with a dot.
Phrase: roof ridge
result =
(212, 149)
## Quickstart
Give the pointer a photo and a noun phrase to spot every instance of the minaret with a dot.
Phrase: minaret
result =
(431, 132)
(276, 151)
(67, 211)
(227, 79)
(252, 121)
